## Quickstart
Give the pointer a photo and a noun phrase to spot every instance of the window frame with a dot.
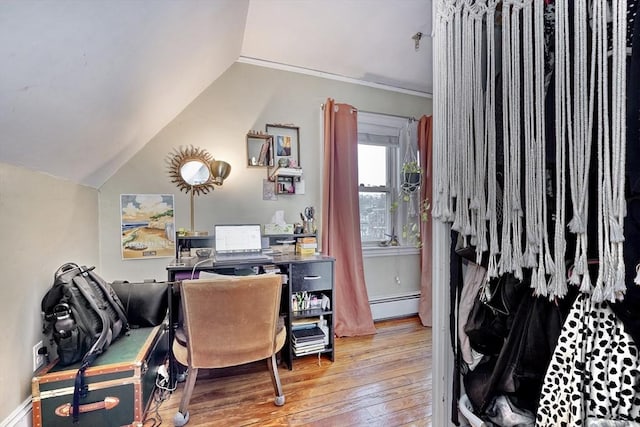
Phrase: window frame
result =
(390, 127)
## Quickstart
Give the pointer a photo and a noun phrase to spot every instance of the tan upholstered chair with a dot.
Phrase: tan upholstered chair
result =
(228, 322)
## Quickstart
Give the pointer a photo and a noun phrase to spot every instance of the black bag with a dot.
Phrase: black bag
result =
(145, 303)
(490, 318)
(84, 315)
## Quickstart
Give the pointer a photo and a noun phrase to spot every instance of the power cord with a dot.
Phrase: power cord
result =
(162, 393)
(193, 270)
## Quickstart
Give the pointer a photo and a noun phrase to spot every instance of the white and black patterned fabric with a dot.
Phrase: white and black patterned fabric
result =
(594, 372)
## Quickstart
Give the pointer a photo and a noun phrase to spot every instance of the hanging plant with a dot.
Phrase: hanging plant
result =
(411, 230)
(411, 177)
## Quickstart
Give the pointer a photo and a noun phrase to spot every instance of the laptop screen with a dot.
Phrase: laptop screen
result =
(238, 238)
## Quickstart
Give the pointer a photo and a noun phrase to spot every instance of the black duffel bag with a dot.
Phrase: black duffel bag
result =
(145, 303)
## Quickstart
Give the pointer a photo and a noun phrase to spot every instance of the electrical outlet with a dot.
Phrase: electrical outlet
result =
(397, 280)
(38, 359)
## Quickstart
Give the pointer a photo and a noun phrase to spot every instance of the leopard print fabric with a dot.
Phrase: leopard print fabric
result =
(594, 371)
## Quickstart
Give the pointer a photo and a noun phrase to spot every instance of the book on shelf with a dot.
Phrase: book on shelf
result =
(307, 245)
(264, 153)
(308, 239)
(314, 343)
(309, 350)
(271, 268)
(304, 323)
(307, 334)
(305, 251)
(307, 341)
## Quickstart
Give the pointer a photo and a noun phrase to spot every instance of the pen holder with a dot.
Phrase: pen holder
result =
(308, 226)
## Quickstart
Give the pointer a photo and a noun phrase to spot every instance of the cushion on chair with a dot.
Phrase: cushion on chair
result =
(181, 336)
(180, 353)
(281, 336)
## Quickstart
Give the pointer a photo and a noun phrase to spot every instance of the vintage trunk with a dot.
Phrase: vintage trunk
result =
(121, 383)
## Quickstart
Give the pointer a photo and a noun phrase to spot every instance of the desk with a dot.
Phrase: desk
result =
(313, 274)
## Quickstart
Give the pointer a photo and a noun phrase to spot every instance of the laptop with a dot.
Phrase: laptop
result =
(238, 242)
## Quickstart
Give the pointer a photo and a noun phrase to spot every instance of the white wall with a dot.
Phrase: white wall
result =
(245, 97)
(45, 223)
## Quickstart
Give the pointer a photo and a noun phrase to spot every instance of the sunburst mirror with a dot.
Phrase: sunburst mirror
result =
(194, 171)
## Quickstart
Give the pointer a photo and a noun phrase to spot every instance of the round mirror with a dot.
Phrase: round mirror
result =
(189, 170)
(195, 172)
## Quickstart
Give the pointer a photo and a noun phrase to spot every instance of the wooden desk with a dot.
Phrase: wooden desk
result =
(312, 274)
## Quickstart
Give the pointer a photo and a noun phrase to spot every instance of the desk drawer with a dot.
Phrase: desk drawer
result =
(312, 276)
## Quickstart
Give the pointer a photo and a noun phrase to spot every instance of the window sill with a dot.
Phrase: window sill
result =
(380, 251)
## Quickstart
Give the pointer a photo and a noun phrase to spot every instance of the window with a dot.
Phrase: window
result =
(380, 141)
(376, 189)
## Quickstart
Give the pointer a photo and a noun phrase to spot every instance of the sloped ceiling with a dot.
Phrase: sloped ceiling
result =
(85, 84)
(367, 40)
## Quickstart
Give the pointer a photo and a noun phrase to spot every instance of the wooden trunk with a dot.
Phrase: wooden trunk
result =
(121, 383)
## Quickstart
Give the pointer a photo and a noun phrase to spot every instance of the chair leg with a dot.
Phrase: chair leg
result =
(182, 417)
(275, 380)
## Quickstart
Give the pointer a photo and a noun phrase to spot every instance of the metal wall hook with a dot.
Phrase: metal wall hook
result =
(416, 38)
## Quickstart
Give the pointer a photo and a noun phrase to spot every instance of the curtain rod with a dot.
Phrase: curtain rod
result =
(411, 119)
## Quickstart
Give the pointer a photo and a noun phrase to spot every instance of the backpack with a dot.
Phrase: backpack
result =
(84, 316)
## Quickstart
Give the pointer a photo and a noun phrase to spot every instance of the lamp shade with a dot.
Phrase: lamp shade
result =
(220, 170)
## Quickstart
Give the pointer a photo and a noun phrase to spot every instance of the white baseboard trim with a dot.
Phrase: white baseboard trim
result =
(20, 417)
(388, 307)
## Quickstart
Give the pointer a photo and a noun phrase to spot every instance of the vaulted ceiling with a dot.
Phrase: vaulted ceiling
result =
(85, 84)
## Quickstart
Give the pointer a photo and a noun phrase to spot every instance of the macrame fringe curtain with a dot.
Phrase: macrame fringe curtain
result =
(507, 219)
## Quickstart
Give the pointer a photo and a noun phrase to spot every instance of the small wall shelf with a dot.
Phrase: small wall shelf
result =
(285, 179)
(259, 149)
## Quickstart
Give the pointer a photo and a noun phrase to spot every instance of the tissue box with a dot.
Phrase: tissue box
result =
(278, 229)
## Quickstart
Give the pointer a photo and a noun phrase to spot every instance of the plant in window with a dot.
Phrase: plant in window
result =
(411, 228)
(411, 167)
(411, 177)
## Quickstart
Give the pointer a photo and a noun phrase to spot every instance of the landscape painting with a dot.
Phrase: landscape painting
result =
(148, 227)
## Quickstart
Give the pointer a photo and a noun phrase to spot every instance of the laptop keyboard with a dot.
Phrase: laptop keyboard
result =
(242, 257)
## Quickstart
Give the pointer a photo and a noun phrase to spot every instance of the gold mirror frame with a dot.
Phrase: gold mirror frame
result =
(177, 160)
(194, 171)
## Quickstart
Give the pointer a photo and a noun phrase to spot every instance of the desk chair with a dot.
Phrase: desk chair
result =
(228, 322)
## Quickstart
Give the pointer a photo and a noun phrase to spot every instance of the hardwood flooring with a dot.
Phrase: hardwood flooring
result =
(377, 380)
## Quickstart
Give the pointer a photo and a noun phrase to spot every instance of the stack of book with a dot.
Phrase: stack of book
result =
(307, 340)
(271, 269)
(306, 245)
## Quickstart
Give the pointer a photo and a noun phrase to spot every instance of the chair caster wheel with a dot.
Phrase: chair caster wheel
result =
(279, 401)
(179, 420)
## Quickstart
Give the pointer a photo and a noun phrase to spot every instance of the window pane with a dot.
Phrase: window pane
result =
(372, 165)
(373, 216)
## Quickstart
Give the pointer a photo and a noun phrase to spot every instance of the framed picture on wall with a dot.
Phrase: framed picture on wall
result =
(286, 144)
(147, 226)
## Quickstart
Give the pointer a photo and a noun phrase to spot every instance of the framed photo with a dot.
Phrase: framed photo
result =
(147, 226)
(286, 144)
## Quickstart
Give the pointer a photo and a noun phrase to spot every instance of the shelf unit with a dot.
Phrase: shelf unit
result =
(317, 278)
(285, 179)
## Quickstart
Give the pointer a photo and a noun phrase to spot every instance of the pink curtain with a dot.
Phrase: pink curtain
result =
(425, 131)
(341, 220)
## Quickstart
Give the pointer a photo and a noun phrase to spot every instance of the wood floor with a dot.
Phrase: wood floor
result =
(378, 380)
